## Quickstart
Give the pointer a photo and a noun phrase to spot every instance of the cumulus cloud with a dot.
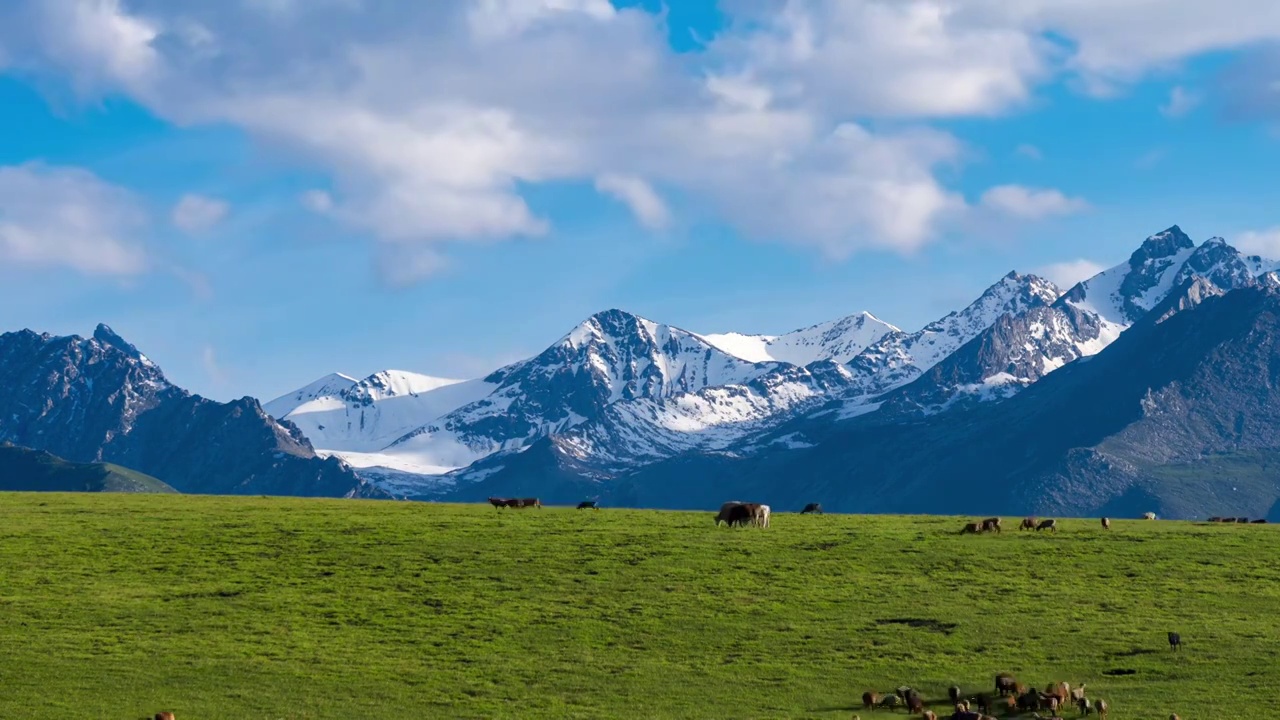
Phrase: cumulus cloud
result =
(430, 118)
(1259, 242)
(1031, 203)
(1067, 274)
(65, 217)
(637, 195)
(1181, 102)
(197, 213)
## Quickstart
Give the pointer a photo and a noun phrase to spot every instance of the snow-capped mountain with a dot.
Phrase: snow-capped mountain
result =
(327, 386)
(839, 340)
(98, 399)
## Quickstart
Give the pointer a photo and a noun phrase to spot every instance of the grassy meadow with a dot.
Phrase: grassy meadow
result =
(116, 606)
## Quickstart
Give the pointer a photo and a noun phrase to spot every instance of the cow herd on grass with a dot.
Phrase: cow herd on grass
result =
(1009, 696)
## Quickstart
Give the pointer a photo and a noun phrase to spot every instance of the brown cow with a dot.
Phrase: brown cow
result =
(869, 699)
(164, 716)
(1101, 708)
(991, 524)
(1106, 523)
(930, 715)
(529, 502)
(739, 515)
(915, 703)
(1006, 684)
(1028, 523)
(974, 528)
(1049, 524)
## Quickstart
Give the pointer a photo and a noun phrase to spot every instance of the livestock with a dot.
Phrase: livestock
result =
(762, 516)
(903, 691)
(1006, 684)
(723, 516)
(499, 502)
(812, 508)
(1029, 700)
(1174, 717)
(1148, 516)
(890, 701)
(1062, 691)
(1077, 694)
(1215, 518)
(869, 699)
(1028, 523)
(983, 701)
(991, 525)
(1101, 708)
(974, 528)
(1260, 521)
(1106, 523)
(524, 503)
(915, 703)
(1050, 524)
(738, 515)
(164, 716)
(1242, 520)
(588, 505)
(930, 715)
(953, 692)
(1175, 641)
(1085, 706)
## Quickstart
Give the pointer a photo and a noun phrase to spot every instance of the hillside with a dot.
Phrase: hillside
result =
(99, 399)
(232, 607)
(25, 470)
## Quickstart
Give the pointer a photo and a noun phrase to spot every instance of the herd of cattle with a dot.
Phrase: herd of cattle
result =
(1009, 695)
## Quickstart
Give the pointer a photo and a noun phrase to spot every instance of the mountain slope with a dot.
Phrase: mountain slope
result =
(26, 470)
(100, 400)
(1144, 425)
(838, 341)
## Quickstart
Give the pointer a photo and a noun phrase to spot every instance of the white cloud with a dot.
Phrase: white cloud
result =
(1031, 203)
(431, 118)
(637, 195)
(1259, 242)
(67, 217)
(212, 368)
(1030, 151)
(1067, 274)
(197, 213)
(1181, 102)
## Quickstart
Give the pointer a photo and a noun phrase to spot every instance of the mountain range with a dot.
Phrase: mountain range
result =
(1145, 387)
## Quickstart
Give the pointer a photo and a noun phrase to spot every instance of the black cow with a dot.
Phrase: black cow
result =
(812, 508)
(588, 505)
(1175, 641)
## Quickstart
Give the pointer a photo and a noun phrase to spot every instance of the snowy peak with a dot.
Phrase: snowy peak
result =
(838, 341)
(105, 336)
(394, 383)
(1125, 293)
(329, 385)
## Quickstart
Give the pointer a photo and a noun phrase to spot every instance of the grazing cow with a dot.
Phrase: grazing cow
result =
(869, 699)
(740, 515)
(1029, 700)
(1049, 524)
(1175, 641)
(953, 692)
(499, 502)
(524, 503)
(588, 505)
(723, 516)
(974, 528)
(1215, 518)
(164, 716)
(762, 516)
(1101, 708)
(983, 701)
(1028, 523)
(991, 524)
(812, 508)
(1260, 521)
(1006, 684)
(1106, 523)
(890, 701)
(1148, 516)
(1242, 520)
(915, 703)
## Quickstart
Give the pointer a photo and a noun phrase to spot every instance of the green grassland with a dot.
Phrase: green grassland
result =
(116, 606)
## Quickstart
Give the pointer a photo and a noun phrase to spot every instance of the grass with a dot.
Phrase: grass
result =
(116, 606)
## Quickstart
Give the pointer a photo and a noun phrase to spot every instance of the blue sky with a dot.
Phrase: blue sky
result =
(260, 192)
